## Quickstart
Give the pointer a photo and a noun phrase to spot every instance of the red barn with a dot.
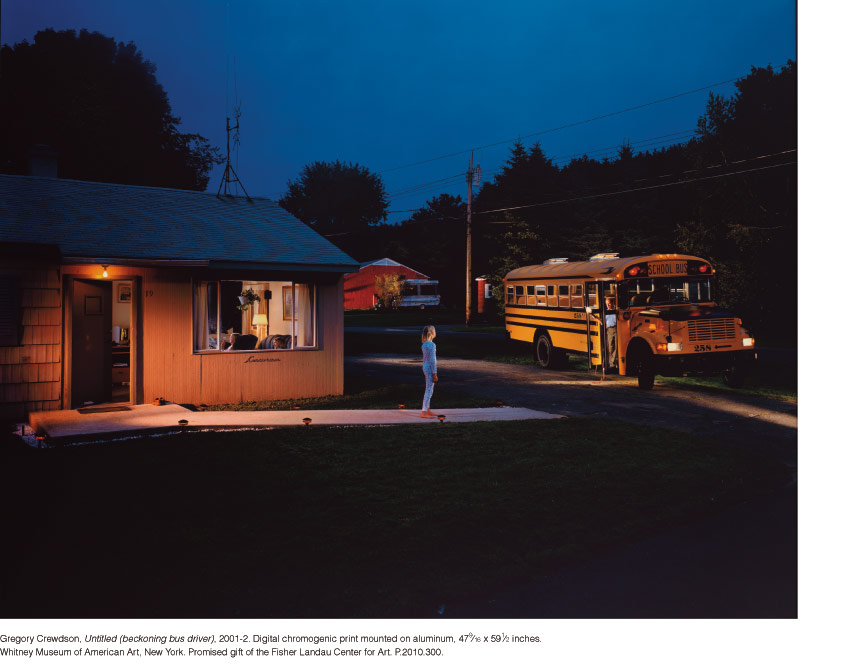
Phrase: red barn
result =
(359, 287)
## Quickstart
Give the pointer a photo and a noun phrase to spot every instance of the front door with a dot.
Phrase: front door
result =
(91, 342)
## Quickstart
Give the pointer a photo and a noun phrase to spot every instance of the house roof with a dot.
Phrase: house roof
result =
(382, 262)
(92, 220)
(389, 262)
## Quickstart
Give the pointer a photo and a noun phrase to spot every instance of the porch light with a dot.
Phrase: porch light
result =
(105, 274)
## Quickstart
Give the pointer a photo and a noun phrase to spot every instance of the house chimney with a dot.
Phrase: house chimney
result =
(42, 161)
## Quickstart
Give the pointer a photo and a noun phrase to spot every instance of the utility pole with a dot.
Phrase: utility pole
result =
(469, 242)
(472, 176)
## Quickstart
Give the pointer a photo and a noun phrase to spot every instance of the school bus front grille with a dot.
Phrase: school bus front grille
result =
(711, 329)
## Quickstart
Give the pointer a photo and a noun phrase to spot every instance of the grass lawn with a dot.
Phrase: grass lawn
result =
(773, 381)
(365, 394)
(342, 522)
(755, 385)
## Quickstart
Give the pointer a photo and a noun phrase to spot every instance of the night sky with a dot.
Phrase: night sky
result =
(386, 84)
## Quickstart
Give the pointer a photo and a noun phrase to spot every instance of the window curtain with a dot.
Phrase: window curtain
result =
(201, 317)
(304, 315)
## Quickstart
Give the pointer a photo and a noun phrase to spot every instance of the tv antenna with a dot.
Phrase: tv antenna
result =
(230, 177)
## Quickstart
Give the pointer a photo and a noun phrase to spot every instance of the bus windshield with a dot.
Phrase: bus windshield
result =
(665, 291)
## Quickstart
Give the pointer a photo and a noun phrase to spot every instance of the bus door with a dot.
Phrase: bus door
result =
(595, 334)
(609, 290)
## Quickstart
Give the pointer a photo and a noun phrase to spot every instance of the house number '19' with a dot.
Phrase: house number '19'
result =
(148, 293)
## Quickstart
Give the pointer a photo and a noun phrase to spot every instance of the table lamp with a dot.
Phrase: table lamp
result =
(260, 321)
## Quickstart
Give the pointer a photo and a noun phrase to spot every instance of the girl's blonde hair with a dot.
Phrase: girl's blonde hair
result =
(428, 333)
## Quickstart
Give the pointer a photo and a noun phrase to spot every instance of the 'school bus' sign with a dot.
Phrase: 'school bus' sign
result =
(667, 268)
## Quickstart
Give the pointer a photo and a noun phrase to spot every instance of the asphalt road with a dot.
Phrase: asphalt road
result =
(739, 564)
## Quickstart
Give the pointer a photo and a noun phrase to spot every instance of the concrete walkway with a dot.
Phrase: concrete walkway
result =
(63, 426)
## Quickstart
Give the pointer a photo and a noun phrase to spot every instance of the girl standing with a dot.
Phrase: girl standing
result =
(429, 367)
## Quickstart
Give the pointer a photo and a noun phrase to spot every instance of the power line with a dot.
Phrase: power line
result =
(565, 126)
(710, 167)
(642, 188)
(612, 193)
(425, 184)
(643, 145)
(557, 161)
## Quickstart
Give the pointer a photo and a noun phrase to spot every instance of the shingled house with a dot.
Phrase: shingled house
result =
(114, 293)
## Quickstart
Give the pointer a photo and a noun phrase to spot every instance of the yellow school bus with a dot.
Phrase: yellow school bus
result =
(658, 311)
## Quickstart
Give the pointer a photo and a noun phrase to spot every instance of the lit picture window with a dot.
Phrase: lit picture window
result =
(231, 316)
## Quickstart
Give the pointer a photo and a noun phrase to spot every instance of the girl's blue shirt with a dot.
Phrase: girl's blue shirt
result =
(429, 357)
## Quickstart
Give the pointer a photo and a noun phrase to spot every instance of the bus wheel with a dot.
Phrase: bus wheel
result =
(645, 371)
(544, 352)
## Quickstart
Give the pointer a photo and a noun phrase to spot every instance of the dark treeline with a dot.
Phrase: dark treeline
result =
(97, 106)
(724, 195)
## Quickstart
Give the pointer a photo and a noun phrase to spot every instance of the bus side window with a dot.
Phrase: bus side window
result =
(530, 298)
(591, 296)
(564, 295)
(551, 298)
(578, 298)
(510, 295)
(541, 294)
(520, 294)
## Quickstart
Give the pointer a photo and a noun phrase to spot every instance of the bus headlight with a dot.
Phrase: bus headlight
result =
(748, 342)
(674, 347)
